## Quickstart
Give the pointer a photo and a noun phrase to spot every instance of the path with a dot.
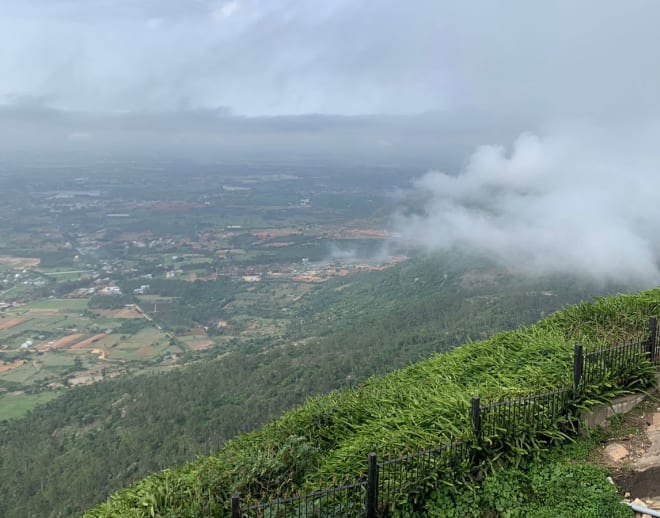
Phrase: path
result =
(636, 461)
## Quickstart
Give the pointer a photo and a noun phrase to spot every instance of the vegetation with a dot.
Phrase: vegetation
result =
(258, 285)
(97, 439)
(557, 483)
(325, 441)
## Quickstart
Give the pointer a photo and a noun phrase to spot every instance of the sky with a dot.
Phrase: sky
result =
(341, 57)
(533, 124)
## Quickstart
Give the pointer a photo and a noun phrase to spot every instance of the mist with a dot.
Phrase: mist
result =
(576, 199)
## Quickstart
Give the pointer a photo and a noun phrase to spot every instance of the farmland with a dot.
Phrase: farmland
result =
(51, 344)
(96, 283)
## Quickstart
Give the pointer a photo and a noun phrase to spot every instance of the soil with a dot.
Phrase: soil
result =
(20, 262)
(67, 340)
(11, 366)
(633, 456)
(88, 341)
(12, 322)
(118, 313)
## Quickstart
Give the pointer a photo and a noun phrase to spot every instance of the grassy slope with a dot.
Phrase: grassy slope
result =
(326, 440)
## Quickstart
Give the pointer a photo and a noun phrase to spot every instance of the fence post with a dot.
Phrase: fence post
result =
(476, 417)
(653, 337)
(372, 486)
(578, 365)
(236, 505)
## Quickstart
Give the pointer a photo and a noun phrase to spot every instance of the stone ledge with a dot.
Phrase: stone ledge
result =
(599, 415)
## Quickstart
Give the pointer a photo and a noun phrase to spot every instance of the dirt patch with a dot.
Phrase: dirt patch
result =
(366, 233)
(67, 340)
(643, 484)
(199, 345)
(147, 350)
(88, 341)
(118, 313)
(19, 262)
(632, 456)
(634, 441)
(273, 233)
(306, 278)
(103, 355)
(5, 367)
(12, 322)
(85, 379)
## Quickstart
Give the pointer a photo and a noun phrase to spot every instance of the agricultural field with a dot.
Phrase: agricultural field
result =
(112, 274)
(16, 404)
(50, 344)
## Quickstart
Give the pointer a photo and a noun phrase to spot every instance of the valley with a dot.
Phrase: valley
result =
(96, 283)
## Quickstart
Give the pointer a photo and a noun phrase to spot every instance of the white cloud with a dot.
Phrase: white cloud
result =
(225, 11)
(579, 200)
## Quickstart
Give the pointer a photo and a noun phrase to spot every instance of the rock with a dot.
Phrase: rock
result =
(615, 452)
(655, 423)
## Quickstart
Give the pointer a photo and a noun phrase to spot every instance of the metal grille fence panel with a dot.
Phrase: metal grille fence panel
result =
(616, 364)
(534, 413)
(420, 473)
(339, 502)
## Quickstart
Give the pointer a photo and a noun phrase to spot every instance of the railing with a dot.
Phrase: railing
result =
(399, 479)
(515, 417)
(341, 501)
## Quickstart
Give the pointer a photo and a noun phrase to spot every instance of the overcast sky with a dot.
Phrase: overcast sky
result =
(348, 57)
(426, 80)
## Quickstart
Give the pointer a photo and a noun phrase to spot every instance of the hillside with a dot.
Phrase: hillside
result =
(73, 452)
(325, 441)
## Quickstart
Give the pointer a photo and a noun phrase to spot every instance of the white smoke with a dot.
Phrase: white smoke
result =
(581, 201)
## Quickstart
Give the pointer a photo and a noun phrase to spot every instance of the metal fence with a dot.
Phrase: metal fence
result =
(341, 501)
(518, 417)
(615, 363)
(411, 477)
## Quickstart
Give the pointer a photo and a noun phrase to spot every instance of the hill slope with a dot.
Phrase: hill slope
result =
(325, 441)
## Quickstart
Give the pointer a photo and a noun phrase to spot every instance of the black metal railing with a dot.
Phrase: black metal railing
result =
(534, 413)
(415, 475)
(341, 501)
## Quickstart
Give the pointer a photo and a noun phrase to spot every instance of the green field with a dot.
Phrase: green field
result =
(17, 404)
(59, 304)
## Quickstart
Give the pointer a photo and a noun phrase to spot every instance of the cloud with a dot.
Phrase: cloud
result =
(576, 200)
(277, 57)
(225, 11)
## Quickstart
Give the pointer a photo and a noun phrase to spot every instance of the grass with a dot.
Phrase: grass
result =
(17, 405)
(65, 305)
